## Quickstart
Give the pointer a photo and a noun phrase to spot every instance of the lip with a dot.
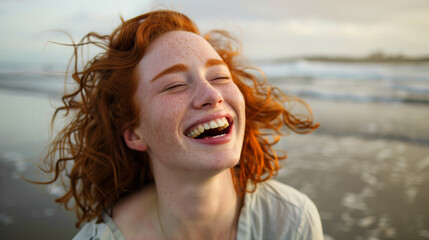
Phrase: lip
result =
(217, 140)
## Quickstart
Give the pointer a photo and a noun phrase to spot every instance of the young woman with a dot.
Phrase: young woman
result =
(168, 140)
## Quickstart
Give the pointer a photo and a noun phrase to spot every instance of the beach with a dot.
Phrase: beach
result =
(27, 211)
(366, 168)
(368, 176)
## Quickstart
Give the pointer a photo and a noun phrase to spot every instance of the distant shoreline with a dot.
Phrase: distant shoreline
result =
(377, 57)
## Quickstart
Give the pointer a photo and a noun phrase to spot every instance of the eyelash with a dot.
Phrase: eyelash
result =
(222, 78)
(173, 86)
(179, 85)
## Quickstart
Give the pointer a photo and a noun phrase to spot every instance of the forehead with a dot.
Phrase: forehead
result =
(176, 47)
(180, 44)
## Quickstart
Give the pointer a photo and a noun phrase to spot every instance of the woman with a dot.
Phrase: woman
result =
(167, 140)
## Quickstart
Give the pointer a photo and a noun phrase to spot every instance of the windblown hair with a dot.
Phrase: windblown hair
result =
(90, 150)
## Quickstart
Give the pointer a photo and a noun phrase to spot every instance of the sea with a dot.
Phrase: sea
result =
(366, 168)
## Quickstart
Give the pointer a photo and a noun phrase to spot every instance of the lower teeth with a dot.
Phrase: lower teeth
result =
(223, 134)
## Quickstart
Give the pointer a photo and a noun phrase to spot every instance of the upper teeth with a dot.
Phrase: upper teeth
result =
(213, 124)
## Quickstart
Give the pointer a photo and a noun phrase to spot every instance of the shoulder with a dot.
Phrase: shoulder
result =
(126, 212)
(273, 190)
(99, 231)
(278, 211)
(273, 195)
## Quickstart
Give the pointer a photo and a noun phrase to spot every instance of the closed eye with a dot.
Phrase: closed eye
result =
(174, 87)
(221, 79)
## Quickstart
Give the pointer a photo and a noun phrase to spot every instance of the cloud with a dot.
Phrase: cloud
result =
(276, 28)
(364, 11)
(271, 28)
(26, 26)
(291, 37)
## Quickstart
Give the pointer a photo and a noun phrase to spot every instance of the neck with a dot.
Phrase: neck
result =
(192, 207)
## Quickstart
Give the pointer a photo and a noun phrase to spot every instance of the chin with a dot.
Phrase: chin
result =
(221, 163)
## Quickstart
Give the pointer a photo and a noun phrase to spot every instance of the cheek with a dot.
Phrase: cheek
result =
(241, 101)
(239, 105)
(237, 100)
(161, 119)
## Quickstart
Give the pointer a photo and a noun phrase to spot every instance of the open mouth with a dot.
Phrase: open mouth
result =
(212, 129)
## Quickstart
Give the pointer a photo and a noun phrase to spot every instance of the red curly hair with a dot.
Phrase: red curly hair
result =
(102, 107)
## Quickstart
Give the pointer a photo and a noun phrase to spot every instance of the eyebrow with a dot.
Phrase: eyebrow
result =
(182, 67)
(173, 69)
(213, 61)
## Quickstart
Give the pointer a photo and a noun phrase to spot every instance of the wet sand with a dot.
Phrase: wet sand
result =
(366, 168)
(27, 211)
(363, 188)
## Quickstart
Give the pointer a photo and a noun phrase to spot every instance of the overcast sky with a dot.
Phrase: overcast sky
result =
(267, 29)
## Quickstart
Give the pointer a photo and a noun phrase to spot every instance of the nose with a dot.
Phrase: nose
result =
(206, 95)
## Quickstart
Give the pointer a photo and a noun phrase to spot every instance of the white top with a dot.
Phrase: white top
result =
(273, 211)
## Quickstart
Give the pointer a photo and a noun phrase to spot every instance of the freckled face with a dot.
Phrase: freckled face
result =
(183, 85)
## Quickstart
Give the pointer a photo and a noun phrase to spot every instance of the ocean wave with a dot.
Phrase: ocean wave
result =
(356, 71)
(376, 136)
(357, 82)
(357, 98)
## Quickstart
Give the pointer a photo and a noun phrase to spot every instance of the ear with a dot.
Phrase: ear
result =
(134, 140)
